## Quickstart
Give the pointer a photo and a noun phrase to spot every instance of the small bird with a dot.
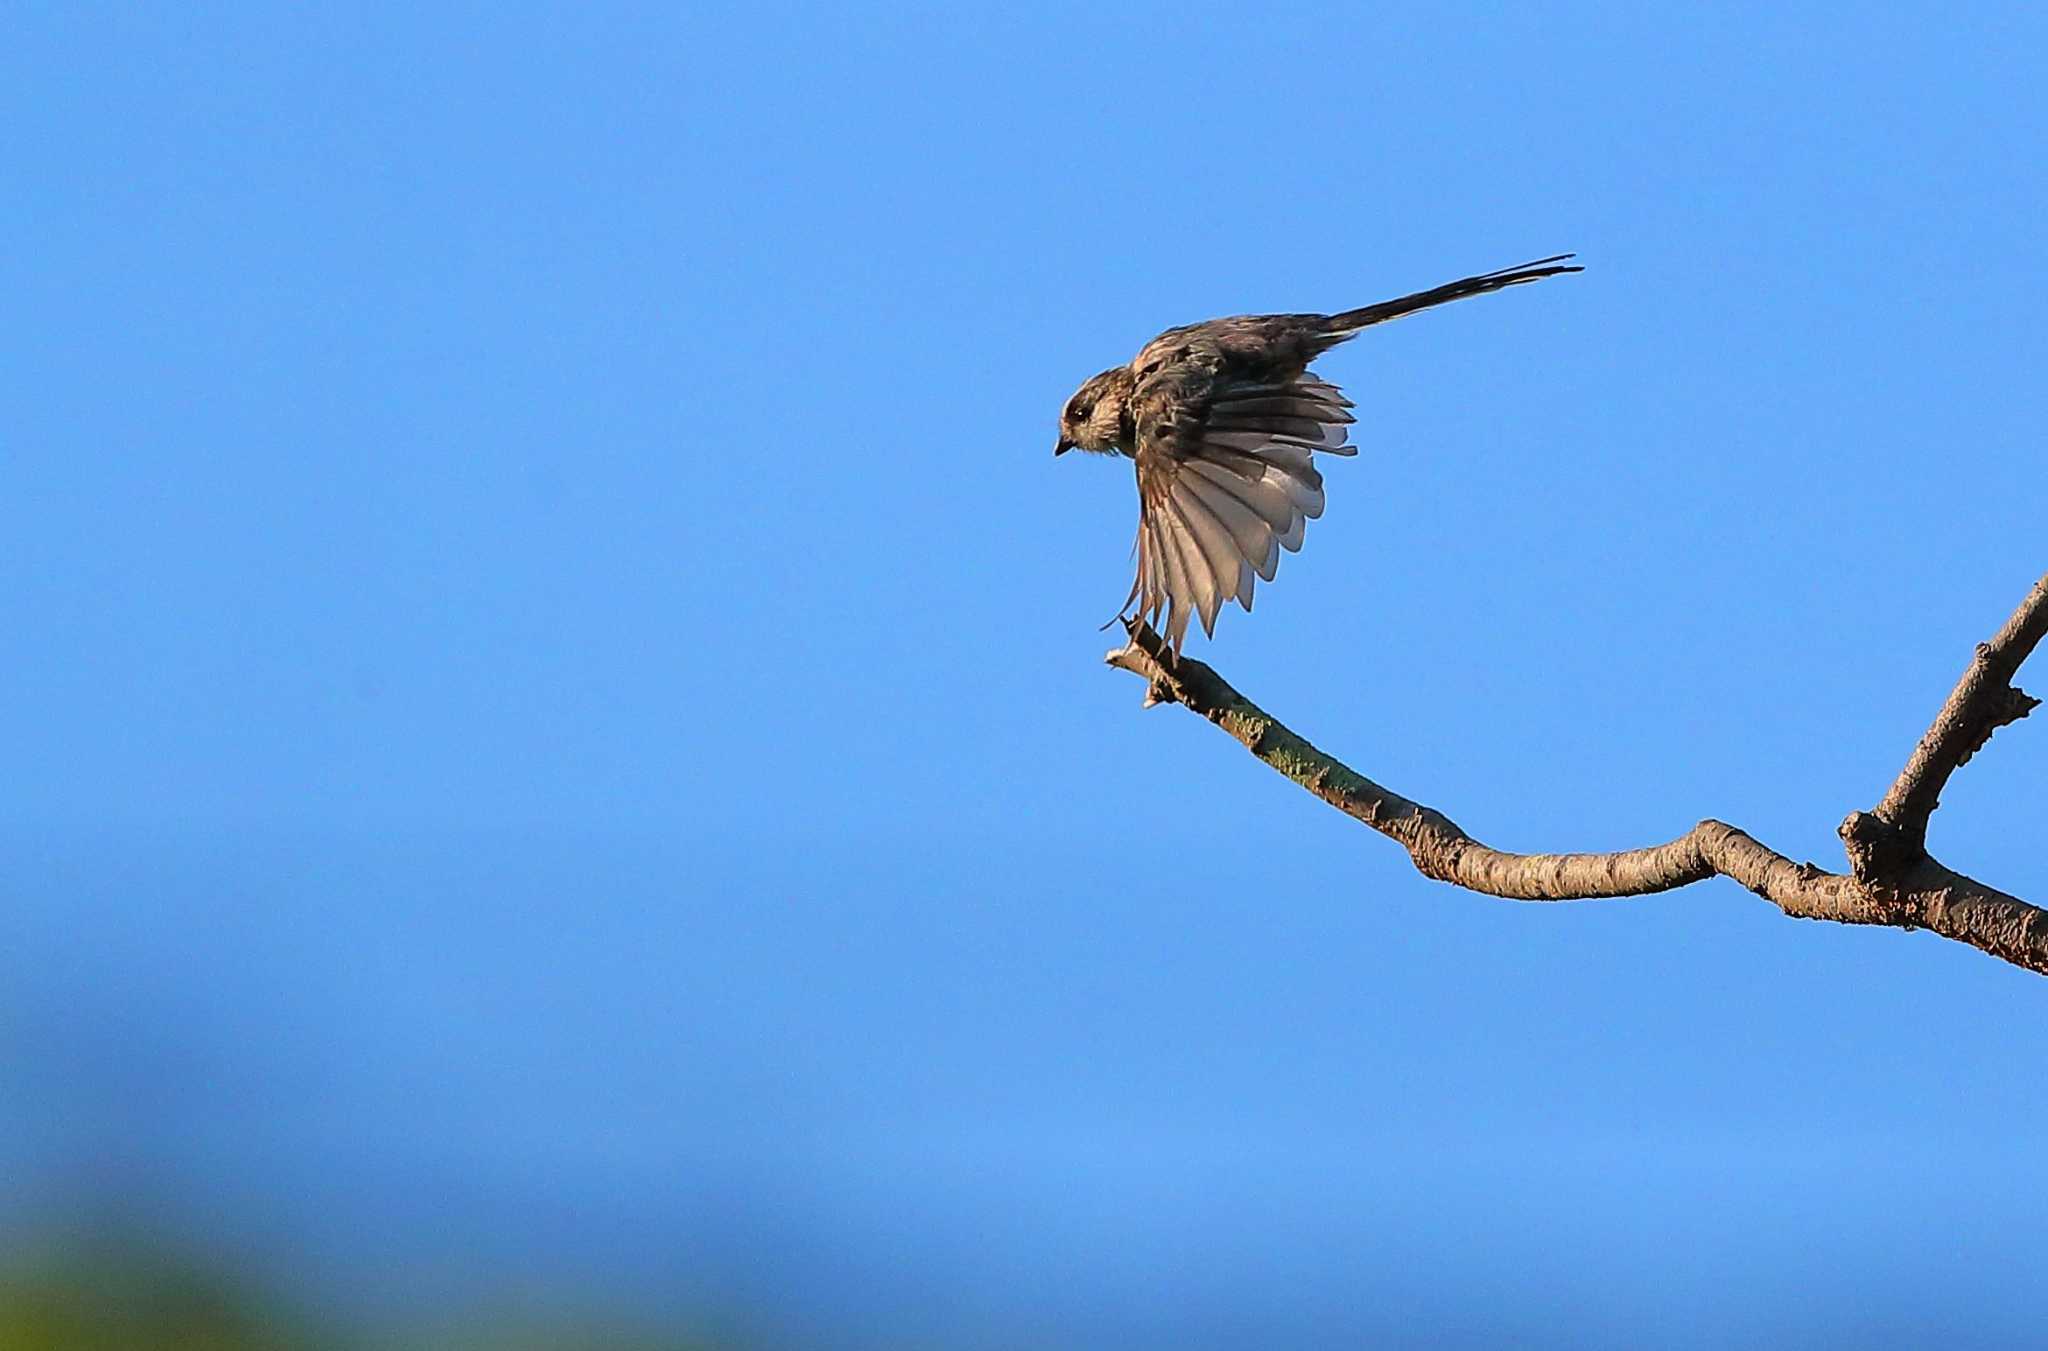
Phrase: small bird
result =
(1223, 419)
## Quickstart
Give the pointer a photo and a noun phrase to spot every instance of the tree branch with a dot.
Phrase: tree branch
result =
(1983, 701)
(1892, 880)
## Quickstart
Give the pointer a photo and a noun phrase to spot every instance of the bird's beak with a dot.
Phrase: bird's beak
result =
(1062, 448)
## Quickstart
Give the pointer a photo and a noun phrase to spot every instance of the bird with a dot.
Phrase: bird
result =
(1223, 419)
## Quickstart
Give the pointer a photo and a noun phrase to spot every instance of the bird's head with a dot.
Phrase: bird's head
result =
(1094, 418)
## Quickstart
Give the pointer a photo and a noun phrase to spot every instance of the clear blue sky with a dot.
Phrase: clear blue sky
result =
(555, 733)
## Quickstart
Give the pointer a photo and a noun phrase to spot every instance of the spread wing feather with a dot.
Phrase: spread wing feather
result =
(1226, 481)
(1219, 559)
(1249, 533)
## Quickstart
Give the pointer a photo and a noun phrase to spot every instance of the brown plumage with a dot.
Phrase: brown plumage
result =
(1224, 419)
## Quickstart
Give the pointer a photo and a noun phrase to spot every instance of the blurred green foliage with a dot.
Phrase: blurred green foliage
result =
(141, 1297)
(117, 1297)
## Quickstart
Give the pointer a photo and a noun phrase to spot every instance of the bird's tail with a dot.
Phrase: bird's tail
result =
(1342, 326)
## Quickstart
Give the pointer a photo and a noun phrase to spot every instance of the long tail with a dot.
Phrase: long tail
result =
(1341, 326)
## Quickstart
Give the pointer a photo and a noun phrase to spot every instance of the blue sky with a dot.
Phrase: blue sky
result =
(556, 708)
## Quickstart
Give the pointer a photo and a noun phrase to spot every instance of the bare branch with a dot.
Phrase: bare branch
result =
(1891, 883)
(1983, 701)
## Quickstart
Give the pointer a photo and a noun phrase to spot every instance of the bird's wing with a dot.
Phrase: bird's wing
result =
(1225, 481)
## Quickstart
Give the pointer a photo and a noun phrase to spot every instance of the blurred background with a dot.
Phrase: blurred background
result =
(560, 788)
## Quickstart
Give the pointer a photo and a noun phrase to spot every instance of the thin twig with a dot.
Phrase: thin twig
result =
(1983, 701)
